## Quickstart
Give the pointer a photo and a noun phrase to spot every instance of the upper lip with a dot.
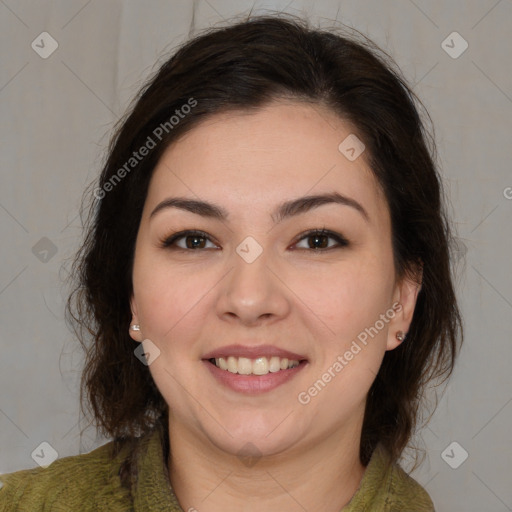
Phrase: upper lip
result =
(252, 352)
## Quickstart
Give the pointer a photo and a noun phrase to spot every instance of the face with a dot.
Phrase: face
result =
(295, 297)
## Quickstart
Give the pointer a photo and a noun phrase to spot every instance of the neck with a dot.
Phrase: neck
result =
(320, 477)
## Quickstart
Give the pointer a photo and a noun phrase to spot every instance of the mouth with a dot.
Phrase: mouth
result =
(253, 370)
(259, 366)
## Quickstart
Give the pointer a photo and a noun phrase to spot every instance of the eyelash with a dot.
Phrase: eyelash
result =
(168, 242)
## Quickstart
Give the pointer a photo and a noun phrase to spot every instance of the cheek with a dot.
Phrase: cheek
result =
(168, 300)
(347, 297)
(171, 310)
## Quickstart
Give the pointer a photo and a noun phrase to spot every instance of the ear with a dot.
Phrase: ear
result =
(135, 335)
(404, 303)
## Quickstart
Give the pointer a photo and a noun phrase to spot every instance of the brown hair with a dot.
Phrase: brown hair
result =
(245, 66)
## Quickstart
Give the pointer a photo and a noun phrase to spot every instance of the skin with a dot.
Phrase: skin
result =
(311, 301)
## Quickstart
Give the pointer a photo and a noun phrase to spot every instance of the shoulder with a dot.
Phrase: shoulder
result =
(386, 487)
(75, 483)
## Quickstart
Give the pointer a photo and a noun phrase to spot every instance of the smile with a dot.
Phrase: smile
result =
(258, 366)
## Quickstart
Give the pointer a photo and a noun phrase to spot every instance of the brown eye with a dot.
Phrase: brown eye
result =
(193, 240)
(319, 240)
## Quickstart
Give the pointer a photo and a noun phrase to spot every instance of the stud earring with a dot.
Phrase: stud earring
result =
(135, 327)
(400, 336)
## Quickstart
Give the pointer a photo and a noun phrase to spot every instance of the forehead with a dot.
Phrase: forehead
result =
(257, 159)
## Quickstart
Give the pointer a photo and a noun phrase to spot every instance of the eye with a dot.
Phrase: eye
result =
(193, 240)
(318, 240)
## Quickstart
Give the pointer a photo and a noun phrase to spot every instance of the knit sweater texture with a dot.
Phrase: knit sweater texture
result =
(90, 483)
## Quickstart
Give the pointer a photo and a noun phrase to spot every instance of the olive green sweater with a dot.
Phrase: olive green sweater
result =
(90, 482)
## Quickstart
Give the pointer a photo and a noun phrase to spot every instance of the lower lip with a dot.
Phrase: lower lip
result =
(253, 384)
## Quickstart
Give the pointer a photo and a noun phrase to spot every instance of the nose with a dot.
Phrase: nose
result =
(253, 292)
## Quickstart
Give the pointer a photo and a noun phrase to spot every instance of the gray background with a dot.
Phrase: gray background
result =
(57, 114)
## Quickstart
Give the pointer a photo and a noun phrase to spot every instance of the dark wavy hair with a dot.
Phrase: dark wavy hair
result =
(244, 66)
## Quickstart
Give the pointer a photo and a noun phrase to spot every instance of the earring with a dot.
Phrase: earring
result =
(135, 327)
(400, 336)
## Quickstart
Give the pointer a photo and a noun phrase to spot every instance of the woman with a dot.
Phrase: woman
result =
(269, 230)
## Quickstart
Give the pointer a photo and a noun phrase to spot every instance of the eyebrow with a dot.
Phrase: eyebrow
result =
(283, 211)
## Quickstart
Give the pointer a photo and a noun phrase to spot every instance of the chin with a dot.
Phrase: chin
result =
(250, 444)
(256, 434)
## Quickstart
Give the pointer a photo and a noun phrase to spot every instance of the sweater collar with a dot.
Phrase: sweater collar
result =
(152, 492)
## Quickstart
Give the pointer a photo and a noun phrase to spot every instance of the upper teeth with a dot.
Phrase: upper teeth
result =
(258, 366)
